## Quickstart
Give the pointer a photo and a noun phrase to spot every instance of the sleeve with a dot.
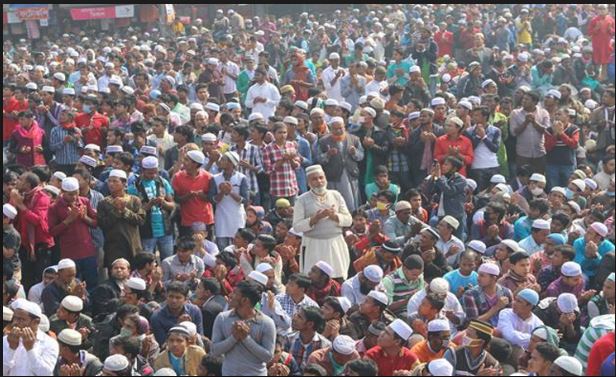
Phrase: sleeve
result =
(221, 343)
(493, 141)
(250, 97)
(571, 141)
(550, 141)
(516, 124)
(344, 216)
(388, 285)
(159, 332)
(268, 165)
(264, 351)
(467, 153)
(198, 318)
(301, 221)
(450, 188)
(390, 231)
(470, 307)
(55, 141)
(56, 226)
(36, 215)
(282, 321)
(42, 358)
(505, 326)
(135, 217)
(439, 150)
(7, 357)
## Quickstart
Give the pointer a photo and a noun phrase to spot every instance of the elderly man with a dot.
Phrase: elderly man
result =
(399, 228)
(320, 215)
(340, 152)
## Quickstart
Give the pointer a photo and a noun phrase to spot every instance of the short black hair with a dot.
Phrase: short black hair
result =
(83, 173)
(315, 369)
(126, 310)
(540, 204)
(314, 315)
(213, 364)
(363, 367)
(185, 131)
(484, 110)
(268, 241)
(211, 285)
(42, 171)
(524, 170)
(126, 158)
(243, 131)
(246, 234)
(32, 179)
(548, 351)
(335, 304)
(414, 262)
(130, 345)
(301, 280)
(178, 287)
(455, 162)
(185, 243)
(498, 208)
(380, 169)
(518, 256)
(436, 301)
(567, 251)
(251, 290)
(387, 194)
(141, 259)
(562, 218)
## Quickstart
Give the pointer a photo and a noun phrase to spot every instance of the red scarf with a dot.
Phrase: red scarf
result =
(68, 125)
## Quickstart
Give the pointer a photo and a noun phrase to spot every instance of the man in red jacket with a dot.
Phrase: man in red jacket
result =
(92, 123)
(444, 40)
(13, 102)
(453, 143)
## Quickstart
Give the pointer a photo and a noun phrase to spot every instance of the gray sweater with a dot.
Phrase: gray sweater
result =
(248, 357)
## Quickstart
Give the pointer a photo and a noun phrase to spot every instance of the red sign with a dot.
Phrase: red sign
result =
(36, 13)
(79, 14)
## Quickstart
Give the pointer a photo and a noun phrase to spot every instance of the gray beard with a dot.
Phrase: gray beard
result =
(319, 190)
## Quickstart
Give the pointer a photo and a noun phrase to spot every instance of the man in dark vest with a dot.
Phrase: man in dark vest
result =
(472, 356)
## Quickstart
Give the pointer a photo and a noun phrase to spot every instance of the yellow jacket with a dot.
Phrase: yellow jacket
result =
(191, 359)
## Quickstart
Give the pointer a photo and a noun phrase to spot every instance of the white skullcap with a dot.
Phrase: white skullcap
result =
(452, 221)
(414, 115)
(233, 157)
(52, 190)
(439, 286)
(570, 364)
(28, 306)
(114, 149)
(571, 269)
(559, 190)
(196, 156)
(437, 325)
(68, 91)
(116, 363)
(7, 314)
(576, 207)
(336, 120)
(137, 284)
(363, 99)
(88, 160)
(523, 57)
(70, 184)
(344, 302)
(301, 104)
(258, 277)
(66, 263)
(471, 183)
(401, 328)
(212, 61)
(591, 104)
(477, 246)
(212, 106)
(115, 80)
(317, 110)
(536, 177)
(541, 224)
(554, 93)
(72, 303)
(165, 372)
(373, 273)
(580, 184)
(513, 245)
(377, 103)
(31, 86)
(414, 69)
(487, 82)
(93, 147)
(209, 260)
(325, 267)
(128, 90)
(370, 111)
(438, 101)
(344, 344)
(48, 89)
(567, 303)
(290, 120)
(440, 367)
(59, 76)
(455, 120)
(190, 327)
(466, 104)
(209, 137)
(379, 296)
(334, 55)
(148, 149)
(314, 169)
(331, 102)
(446, 78)
(264, 267)
(489, 268)
(149, 162)
(402, 205)
(9, 211)
(70, 337)
(118, 174)
(255, 116)
(591, 183)
(296, 233)
(498, 178)
(196, 106)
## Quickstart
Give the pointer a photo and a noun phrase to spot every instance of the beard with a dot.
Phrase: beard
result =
(364, 289)
(321, 190)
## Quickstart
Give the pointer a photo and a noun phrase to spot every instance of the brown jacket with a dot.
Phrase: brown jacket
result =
(192, 358)
(321, 358)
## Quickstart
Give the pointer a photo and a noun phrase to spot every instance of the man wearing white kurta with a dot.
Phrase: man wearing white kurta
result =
(331, 77)
(262, 97)
(321, 214)
(26, 350)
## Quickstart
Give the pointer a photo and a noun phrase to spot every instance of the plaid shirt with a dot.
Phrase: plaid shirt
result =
(283, 182)
(252, 154)
(398, 161)
(475, 302)
(289, 306)
(294, 346)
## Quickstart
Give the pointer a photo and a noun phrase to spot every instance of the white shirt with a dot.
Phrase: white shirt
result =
(230, 84)
(515, 329)
(39, 361)
(451, 303)
(445, 246)
(35, 293)
(350, 289)
(267, 91)
(530, 245)
(333, 91)
(377, 86)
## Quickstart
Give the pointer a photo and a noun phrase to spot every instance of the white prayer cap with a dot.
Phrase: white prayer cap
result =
(439, 286)
(209, 137)
(169, 79)
(93, 147)
(599, 228)
(440, 367)
(128, 90)
(377, 103)
(301, 104)
(43, 323)
(314, 169)
(48, 89)
(7, 314)
(344, 344)
(402, 205)
(471, 183)
(317, 110)
(296, 233)
(109, 64)
(345, 304)
(115, 80)
(31, 86)
(118, 174)
(590, 104)
(487, 82)
(571, 269)
(114, 149)
(324, 266)
(523, 57)
(414, 69)
(66, 263)
(489, 268)
(290, 120)
(88, 160)
(477, 246)
(554, 93)
(334, 55)
(452, 221)
(580, 184)
(70, 337)
(437, 101)
(164, 106)
(264, 267)
(258, 277)
(567, 303)
(209, 260)
(336, 120)
(70, 184)
(437, 325)
(559, 190)
(373, 273)
(137, 284)
(232, 105)
(27, 306)
(569, 364)
(196, 106)
(255, 116)
(541, 224)
(59, 76)
(574, 206)
(363, 99)
(120, 260)
(116, 363)
(400, 327)
(513, 245)
(233, 157)
(591, 183)
(331, 102)
(148, 149)
(213, 61)
(466, 104)
(370, 111)
(9, 211)
(456, 121)
(446, 78)
(536, 177)
(68, 91)
(190, 327)
(196, 156)
(72, 303)
(379, 296)
(149, 162)
(52, 190)
(212, 106)
(414, 115)
(165, 372)
(498, 178)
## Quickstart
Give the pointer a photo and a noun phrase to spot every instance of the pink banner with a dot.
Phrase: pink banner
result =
(80, 14)
(36, 13)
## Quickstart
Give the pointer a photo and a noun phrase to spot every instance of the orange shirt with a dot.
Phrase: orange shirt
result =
(424, 353)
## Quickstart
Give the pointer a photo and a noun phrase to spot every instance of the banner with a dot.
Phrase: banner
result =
(120, 11)
(170, 13)
(29, 12)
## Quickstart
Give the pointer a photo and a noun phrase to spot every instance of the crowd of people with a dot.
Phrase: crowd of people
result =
(392, 190)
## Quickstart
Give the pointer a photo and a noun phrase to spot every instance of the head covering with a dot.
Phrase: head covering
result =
(477, 246)
(9, 211)
(93, 147)
(190, 327)
(571, 269)
(70, 184)
(233, 157)
(150, 162)
(536, 177)
(165, 372)
(557, 238)
(314, 169)
(379, 296)
(567, 303)
(392, 247)
(264, 267)
(212, 106)
(481, 326)
(553, 93)
(116, 363)
(296, 233)
(451, 221)
(513, 245)
(541, 224)
(599, 228)
(370, 111)
(344, 302)
(196, 156)
(87, 160)
(325, 267)
(489, 268)
(137, 284)
(498, 178)
(591, 183)
(559, 190)
(570, 364)
(118, 174)
(282, 203)
(438, 324)
(432, 232)
(471, 183)
(66, 263)
(546, 333)
(344, 344)
(414, 115)
(149, 150)
(72, 303)
(209, 260)
(440, 367)
(259, 277)
(402, 205)
(529, 295)
(7, 314)
(439, 286)
(373, 273)
(114, 149)
(70, 337)
(401, 328)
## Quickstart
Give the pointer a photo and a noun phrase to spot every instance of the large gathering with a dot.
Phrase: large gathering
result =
(308, 190)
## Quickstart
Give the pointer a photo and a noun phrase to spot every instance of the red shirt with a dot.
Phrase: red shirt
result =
(331, 289)
(75, 239)
(405, 360)
(441, 150)
(8, 122)
(444, 40)
(599, 352)
(32, 222)
(97, 124)
(194, 209)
